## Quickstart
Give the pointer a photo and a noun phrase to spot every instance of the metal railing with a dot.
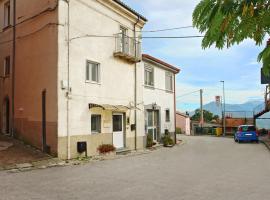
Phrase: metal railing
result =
(259, 109)
(127, 46)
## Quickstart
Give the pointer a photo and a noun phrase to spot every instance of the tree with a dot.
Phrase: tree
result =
(208, 116)
(229, 22)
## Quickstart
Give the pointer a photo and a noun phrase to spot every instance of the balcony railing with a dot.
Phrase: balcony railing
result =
(127, 48)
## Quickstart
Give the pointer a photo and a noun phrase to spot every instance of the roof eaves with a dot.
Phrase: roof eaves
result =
(156, 60)
(130, 9)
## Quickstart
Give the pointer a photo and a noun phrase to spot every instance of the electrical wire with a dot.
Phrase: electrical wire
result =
(187, 94)
(163, 30)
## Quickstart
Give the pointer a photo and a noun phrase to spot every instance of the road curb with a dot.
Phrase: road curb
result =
(265, 144)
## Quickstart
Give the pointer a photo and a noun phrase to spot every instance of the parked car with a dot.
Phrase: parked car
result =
(246, 133)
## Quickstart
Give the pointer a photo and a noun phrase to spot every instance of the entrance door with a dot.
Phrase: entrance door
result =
(118, 131)
(6, 116)
(153, 124)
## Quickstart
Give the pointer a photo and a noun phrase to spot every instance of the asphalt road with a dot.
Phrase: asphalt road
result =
(204, 168)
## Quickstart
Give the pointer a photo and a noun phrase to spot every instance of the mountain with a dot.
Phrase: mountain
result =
(239, 110)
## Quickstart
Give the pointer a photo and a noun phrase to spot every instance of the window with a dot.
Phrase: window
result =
(123, 39)
(149, 76)
(96, 123)
(169, 81)
(93, 72)
(7, 66)
(7, 14)
(167, 115)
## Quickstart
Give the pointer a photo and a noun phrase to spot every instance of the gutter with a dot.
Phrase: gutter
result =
(135, 85)
(175, 139)
(13, 69)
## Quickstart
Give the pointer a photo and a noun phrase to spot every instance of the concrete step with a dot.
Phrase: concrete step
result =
(123, 151)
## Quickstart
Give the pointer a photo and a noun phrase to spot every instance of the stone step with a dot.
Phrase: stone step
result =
(123, 151)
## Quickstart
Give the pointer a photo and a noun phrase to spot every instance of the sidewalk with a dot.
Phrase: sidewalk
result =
(13, 152)
(266, 141)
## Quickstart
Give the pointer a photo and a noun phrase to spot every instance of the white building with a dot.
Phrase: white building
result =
(72, 74)
(159, 97)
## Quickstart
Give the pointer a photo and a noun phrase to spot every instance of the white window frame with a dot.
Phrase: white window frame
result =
(169, 75)
(7, 61)
(96, 131)
(88, 72)
(7, 14)
(151, 70)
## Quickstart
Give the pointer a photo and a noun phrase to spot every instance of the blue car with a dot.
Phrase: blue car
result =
(246, 133)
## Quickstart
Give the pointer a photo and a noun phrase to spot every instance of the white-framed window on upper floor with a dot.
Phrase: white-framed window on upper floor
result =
(7, 14)
(7, 65)
(92, 72)
(149, 76)
(95, 124)
(169, 81)
(167, 115)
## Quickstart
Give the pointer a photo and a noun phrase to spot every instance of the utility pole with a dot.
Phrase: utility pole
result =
(201, 102)
(224, 109)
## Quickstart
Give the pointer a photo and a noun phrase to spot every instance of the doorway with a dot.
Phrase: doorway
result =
(153, 124)
(6, 115)
(118, 130)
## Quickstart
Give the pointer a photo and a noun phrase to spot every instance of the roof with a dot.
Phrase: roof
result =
(156, 60)
(182, 114)
(130, 9)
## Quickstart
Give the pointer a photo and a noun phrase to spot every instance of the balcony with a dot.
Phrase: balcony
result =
(127, 48)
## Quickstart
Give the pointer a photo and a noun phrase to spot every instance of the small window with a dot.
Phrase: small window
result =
(149, 76)
(7, 14)
(167, 115)
(169, 81)
(93, 72)
(96, 123)
(7, 66)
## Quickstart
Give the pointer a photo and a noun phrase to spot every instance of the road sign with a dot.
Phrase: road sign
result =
(218, 100)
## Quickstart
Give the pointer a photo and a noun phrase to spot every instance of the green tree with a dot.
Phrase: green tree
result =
(208, 116)
(228, 22)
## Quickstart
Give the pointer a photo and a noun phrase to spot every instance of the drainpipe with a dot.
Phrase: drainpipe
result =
(135, 86)
(13, 69)
(175, 139)
(68, 79)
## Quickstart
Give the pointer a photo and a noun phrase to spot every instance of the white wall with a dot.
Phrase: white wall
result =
(117, 76)
(159, 95)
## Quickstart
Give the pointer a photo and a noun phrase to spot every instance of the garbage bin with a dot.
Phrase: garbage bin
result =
(218, 131)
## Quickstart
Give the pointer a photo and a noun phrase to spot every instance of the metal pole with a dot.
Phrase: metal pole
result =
(201, 102)
(224, 109)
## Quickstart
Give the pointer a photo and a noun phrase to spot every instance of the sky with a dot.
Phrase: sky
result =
(200, 69)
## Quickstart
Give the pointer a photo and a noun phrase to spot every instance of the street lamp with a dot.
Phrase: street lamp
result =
(224, 120)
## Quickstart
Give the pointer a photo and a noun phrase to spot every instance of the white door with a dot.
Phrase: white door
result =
(118, 131)
(152, 127)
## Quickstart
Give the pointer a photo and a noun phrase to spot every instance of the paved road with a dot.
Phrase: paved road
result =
(205, 168)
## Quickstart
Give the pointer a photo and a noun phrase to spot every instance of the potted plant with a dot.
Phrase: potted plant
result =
(106, 149)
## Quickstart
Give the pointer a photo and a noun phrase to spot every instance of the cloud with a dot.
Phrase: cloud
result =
(200, 68)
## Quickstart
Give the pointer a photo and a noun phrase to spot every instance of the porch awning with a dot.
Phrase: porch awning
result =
(109, 107)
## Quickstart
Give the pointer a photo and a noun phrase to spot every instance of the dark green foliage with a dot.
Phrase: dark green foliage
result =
(228, 22)
(149, 142)
(208, 116)
(178, 131)
(167, 140)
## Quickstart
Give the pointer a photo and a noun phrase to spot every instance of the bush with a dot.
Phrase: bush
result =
(106, 148)
(178, 131)
(149, 142)
(167, 140)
